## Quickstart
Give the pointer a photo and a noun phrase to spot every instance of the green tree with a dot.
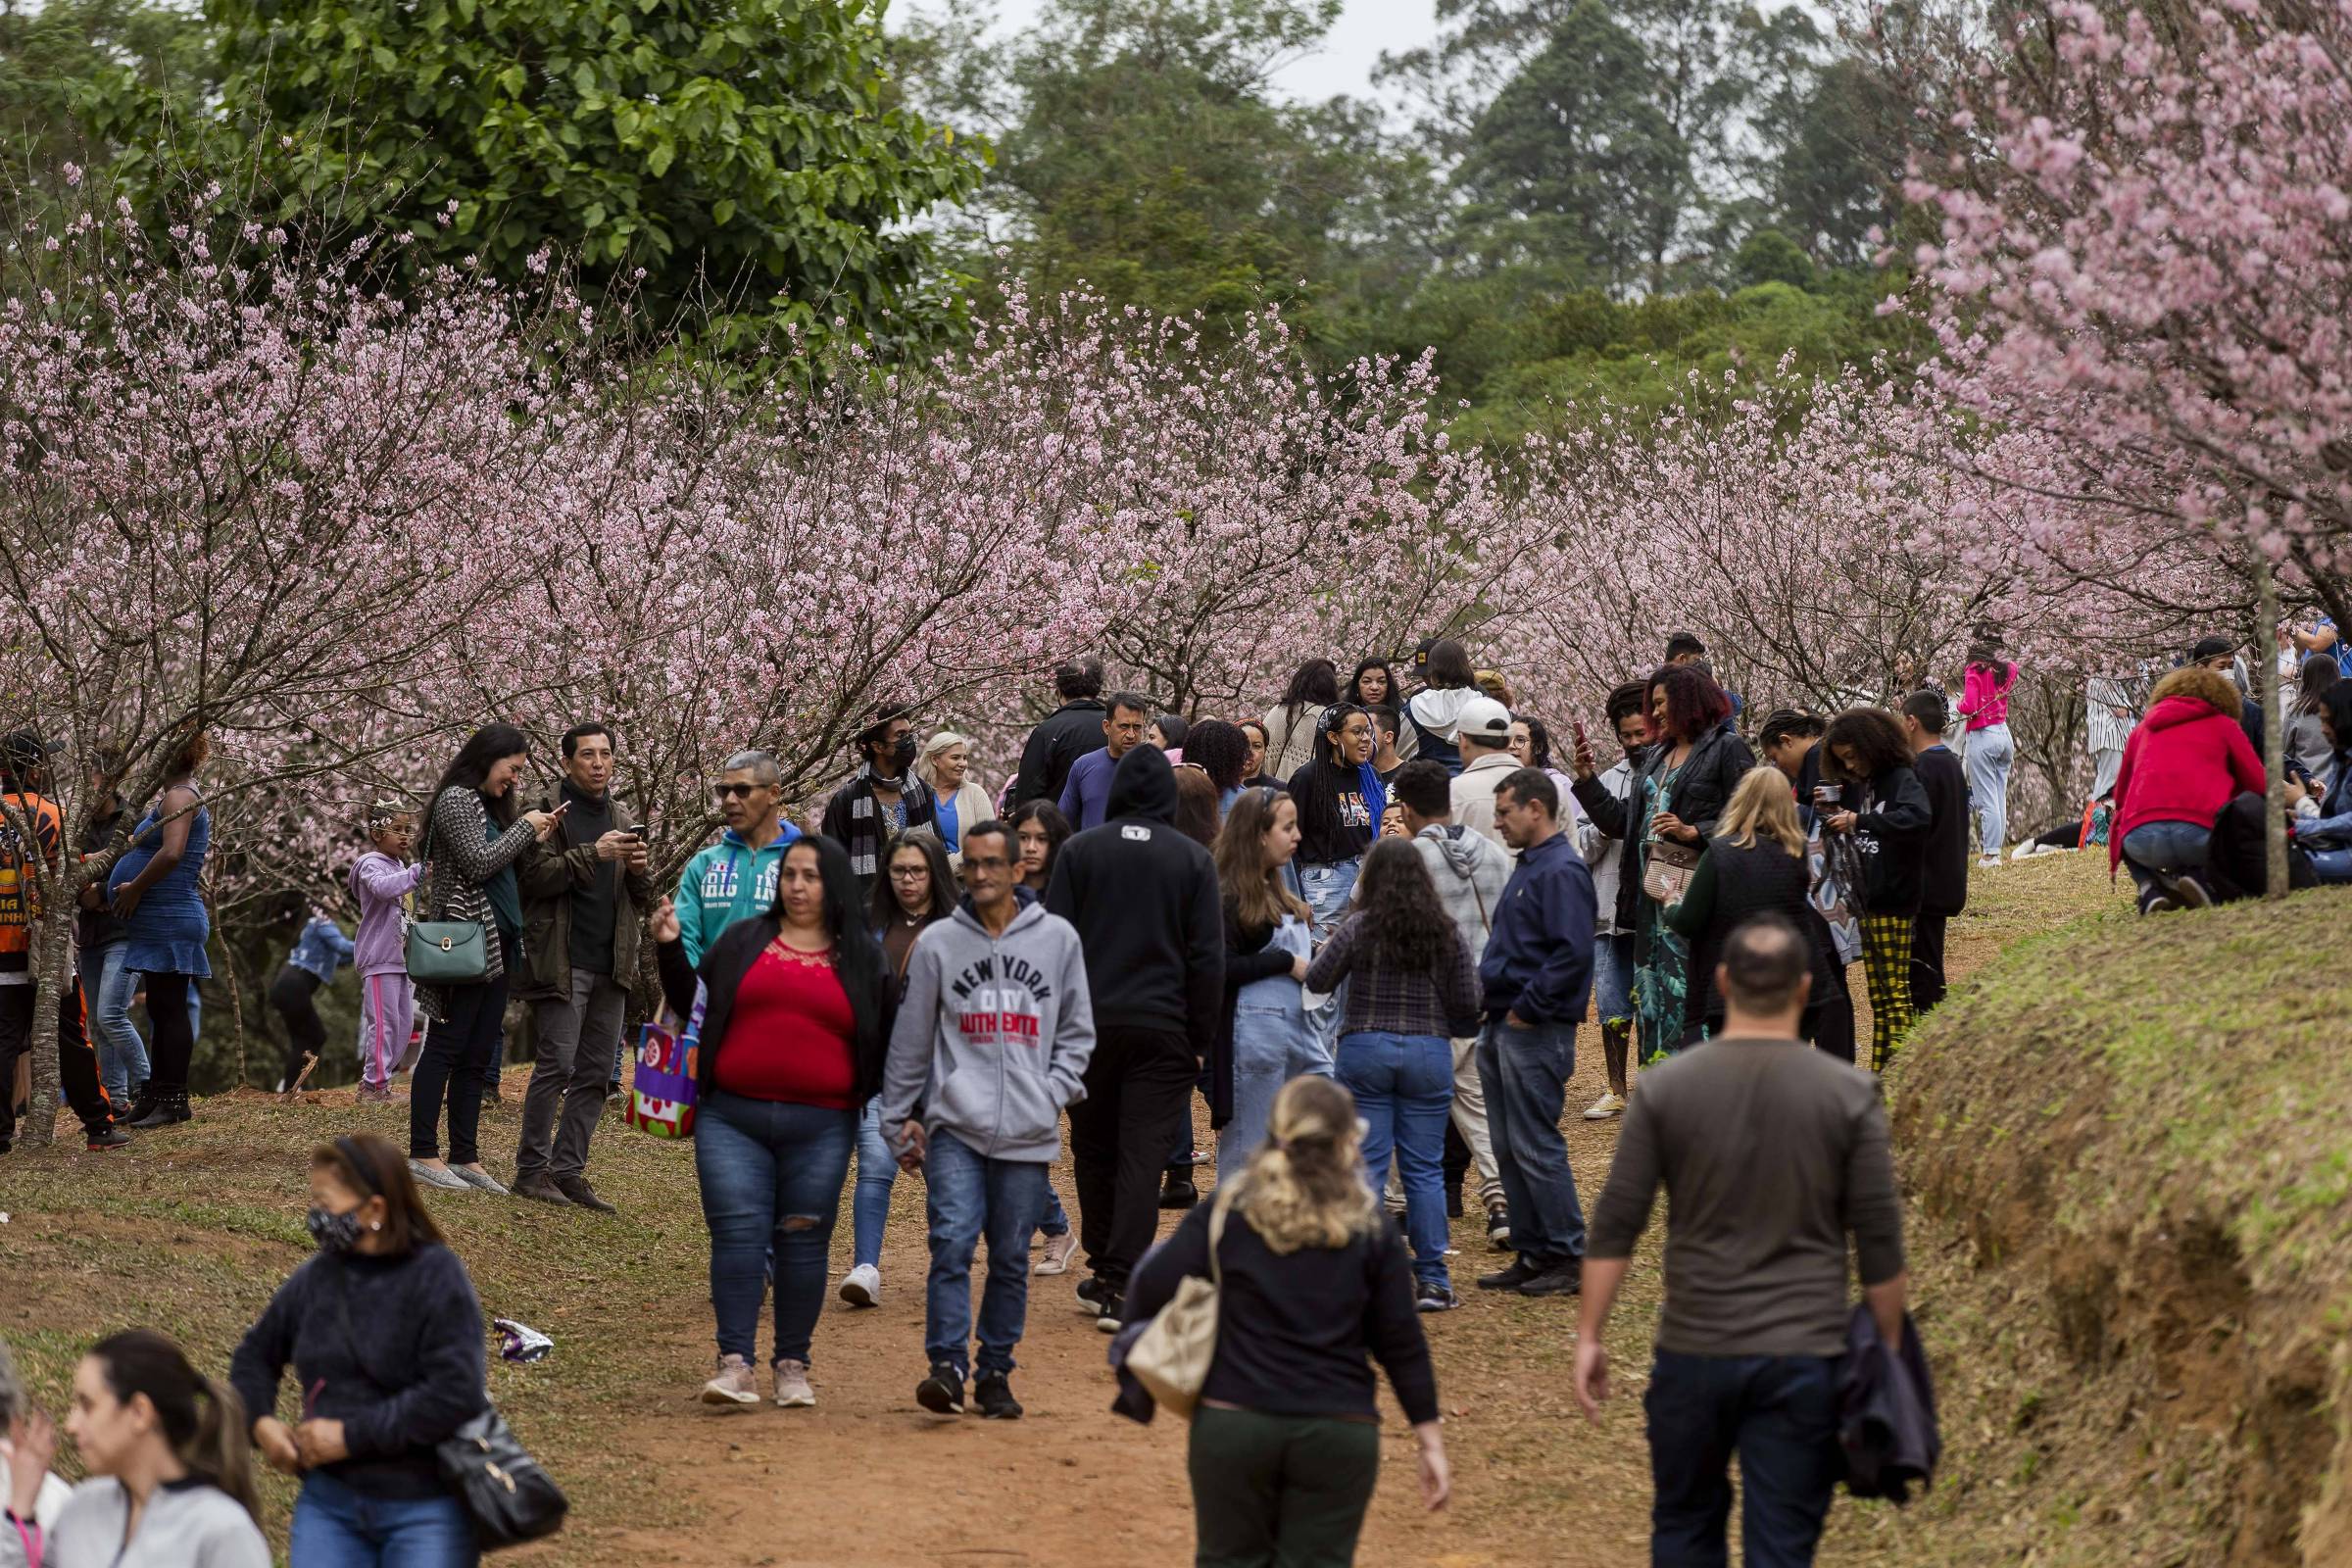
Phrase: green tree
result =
(1141, 149)
(746, 154)
(64, 64)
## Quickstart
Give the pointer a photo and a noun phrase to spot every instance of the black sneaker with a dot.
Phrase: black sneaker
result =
(1178, 1192)
(1511, 1278)
(1114, 1314)
(1091, 1292)
(2154, 899)
(99, 1139)
(1433, 1297)
(1564, 1280)
(941, 1392)
(994, 1396)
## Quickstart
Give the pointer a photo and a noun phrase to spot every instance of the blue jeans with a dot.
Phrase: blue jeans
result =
(338, 1527)
(1989, 755)
(1328, 890)
(1524, 1074)
(106, 987)
(2155, 852)
(764, 1162)
(1058, 1220)
(970, 1194)
(1403, 1088)
(870, 1205)
(1613, 977)
(1779, 1413)
(2331, 865)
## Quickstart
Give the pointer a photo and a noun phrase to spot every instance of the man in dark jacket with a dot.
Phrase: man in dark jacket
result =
(1943, 879)
(1537, 975)
(583, 893)
(1063, 736)
(1771, 1153)
(1144, 898)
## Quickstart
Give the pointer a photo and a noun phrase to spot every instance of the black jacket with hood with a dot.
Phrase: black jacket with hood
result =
(1891, 829)
(1060, 738)
(1144, 897)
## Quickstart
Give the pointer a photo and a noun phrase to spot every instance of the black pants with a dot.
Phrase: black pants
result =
(174, 1044)
(291, 995)
(1829, 1018)
(1926, 962)
(1139, 1087)
(1279, 1489)
(76, 1062)
(459, 1049)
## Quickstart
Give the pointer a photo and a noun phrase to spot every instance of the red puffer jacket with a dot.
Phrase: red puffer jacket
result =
(2188, 760)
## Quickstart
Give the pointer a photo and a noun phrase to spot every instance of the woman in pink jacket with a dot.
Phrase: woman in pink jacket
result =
(1989, 752)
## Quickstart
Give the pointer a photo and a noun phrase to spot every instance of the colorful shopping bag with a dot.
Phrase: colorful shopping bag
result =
(662, 1094)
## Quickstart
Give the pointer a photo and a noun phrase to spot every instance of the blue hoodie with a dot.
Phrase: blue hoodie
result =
(727, 882)
(1539, 958)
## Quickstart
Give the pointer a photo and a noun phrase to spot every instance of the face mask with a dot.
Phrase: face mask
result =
(903, 755)
(334, 1232)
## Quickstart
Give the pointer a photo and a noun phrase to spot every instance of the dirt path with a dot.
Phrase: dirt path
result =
(1071, 1483)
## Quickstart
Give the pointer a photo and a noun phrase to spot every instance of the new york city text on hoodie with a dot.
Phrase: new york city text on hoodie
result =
(992, 1035)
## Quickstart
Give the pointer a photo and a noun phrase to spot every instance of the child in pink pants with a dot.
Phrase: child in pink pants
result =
(380, 879)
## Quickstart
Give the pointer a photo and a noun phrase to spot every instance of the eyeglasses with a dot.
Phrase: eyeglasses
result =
(909, 873)
(723, 793)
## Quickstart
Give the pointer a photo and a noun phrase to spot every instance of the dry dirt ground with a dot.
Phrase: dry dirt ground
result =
(192, 1228)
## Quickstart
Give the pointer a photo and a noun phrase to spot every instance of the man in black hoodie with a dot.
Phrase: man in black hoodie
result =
(1063, 736)
(1144, 898)
(1943, 879)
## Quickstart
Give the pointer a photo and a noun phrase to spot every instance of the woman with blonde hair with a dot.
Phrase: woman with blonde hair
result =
(957, 803)
(1756, 862)
(1315, 1285)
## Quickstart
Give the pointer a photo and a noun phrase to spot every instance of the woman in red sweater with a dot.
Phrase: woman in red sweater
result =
(797, 1007)
(2188, 760)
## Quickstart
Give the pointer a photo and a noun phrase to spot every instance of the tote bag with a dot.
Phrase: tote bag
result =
(662, 1092)
(1171, 1358)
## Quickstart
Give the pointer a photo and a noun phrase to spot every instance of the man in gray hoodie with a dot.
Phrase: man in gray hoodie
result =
(991, 1044)
(1470, 871)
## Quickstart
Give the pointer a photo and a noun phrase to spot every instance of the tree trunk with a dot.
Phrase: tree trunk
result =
(52, 954)
(2273, 728)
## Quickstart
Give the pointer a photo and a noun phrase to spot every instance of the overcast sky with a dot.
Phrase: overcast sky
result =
(1343, 65)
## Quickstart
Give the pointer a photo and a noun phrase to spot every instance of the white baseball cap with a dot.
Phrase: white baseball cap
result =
(1485, 718)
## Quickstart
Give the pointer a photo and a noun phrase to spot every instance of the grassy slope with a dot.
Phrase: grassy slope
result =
(2128, 1151)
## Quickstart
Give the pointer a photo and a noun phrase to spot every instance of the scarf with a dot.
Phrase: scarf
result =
(1376, 793)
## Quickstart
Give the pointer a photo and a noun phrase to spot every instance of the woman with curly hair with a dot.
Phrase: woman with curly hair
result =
(1415, 992)
(1865, 748)
(1221, 750)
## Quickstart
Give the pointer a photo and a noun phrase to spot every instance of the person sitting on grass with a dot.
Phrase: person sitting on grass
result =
(2185, 761)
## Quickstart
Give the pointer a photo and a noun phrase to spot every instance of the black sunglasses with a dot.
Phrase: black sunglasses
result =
(740, 792)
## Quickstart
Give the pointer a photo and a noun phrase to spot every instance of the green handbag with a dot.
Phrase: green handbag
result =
(446, 953)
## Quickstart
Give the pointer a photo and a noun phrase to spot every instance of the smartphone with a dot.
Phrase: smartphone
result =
(1824, 795)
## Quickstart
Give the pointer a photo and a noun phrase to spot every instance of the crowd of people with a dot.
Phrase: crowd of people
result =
(1366, 927)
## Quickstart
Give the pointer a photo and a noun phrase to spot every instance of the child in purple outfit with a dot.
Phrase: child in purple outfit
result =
(380, 879)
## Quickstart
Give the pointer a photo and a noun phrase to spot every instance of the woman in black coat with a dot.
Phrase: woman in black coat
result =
(1865, 749)
(1755, 864)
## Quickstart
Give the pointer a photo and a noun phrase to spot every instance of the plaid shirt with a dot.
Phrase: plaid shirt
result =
(1444, 1002)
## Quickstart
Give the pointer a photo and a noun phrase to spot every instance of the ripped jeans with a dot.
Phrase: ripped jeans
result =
(772, 1174)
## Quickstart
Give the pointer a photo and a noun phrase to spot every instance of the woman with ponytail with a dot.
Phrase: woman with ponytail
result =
(384, 1333)
(1316, 1286)
(171, 1474)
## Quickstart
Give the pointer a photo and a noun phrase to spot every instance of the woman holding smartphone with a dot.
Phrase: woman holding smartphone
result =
(471, 841)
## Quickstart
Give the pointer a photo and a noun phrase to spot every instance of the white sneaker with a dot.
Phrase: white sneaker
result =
(793, 1392)
(1607, 1105)
(1054, 1256)
(862, 1286)
(1989, 860)
(734, 1384)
